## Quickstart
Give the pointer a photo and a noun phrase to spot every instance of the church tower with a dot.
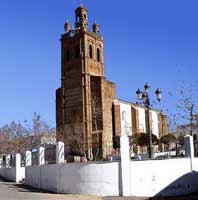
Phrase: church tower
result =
(84, 100)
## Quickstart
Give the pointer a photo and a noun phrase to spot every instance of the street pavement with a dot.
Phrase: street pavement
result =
(13, 191)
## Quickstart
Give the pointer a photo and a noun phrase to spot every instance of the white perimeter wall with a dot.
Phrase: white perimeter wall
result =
(13, 175)
(163, 177)
(96, 178)
(169, 177)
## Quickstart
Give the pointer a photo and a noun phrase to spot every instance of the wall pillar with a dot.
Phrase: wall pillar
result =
(60, 156)
(18, 160)
(17, 167)
(7, 162)
(28, 158)
(125, 165)
(41, 156)
(189, 149)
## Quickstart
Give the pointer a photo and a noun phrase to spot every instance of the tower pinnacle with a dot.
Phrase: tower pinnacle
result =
(67, 26)
(81, 17)
(96, 28)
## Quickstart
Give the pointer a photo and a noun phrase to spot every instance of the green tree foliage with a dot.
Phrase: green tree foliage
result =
(168, 139)
(142, 139)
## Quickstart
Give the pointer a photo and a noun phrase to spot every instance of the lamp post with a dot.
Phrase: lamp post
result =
(144, 97)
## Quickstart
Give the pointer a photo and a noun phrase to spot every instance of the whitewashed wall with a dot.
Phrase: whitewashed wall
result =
(33, 176)
(163, 177)
(12, 174)
(142, 123)
(8, 173)
(95, 178)
(20, 174)
(126, 118)
(155, 128)
(169, 177)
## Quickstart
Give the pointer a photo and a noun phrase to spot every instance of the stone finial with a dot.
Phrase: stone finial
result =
(67, 26)
(96, 28)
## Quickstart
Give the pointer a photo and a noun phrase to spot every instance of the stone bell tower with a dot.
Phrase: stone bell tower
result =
(84, 100)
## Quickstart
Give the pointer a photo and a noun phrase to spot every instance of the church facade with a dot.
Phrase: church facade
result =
(131, 119)
(87, 111)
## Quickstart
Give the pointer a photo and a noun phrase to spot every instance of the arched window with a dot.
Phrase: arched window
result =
(90, 51)
(78, 19)
(98, 54)
(68, 54)
(123, 115)
(77, 52)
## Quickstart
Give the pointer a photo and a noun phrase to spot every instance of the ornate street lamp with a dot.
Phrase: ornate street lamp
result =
(144, 97)
(147, 87)
(158, 94)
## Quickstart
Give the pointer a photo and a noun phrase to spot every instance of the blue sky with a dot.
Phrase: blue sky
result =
(154, 41)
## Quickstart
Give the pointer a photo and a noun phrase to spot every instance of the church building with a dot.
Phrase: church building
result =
(87, 111)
